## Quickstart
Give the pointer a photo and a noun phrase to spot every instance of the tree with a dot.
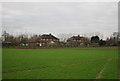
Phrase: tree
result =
(102, 42)
(94, 39)
(63, 37)
(85, 41)
(23, 39)
(114, 40)
(5, 36)
(111, 41)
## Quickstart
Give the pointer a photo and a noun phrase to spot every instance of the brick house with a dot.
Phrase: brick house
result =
(48, 40)
(78, 41)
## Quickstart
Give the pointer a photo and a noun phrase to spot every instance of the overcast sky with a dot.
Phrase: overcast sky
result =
(56, 18)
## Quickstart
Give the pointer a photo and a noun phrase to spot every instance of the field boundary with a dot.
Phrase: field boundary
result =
(108, 47)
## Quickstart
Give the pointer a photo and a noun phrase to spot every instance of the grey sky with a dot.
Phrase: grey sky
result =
(56, 18)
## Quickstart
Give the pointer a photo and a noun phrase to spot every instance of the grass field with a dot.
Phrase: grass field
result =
(62, 63)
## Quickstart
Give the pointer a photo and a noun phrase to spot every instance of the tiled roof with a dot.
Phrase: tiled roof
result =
(75, 38)
(48, 36)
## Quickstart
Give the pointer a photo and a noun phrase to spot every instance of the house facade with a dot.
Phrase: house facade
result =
(43, 40)
(74, 41)
(78, 41)
(48, 40)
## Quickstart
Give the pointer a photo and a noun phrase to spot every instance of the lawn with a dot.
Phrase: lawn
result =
(60, 63)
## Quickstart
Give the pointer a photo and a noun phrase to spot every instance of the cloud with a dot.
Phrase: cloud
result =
(60, 17)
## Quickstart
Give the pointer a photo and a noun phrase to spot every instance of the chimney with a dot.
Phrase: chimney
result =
(49, 33)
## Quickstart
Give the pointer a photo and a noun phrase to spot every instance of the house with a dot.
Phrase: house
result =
(74, 41)
(48, 40)
(78, 41)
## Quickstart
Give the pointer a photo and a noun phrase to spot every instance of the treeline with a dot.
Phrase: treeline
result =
(50, 40)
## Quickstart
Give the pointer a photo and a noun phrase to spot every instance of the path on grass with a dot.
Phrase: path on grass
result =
(103, 69)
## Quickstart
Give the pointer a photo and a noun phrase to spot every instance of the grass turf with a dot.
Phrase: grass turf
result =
(63, 63)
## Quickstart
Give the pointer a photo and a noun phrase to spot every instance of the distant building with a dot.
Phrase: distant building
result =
(74, 41)
(48, 40)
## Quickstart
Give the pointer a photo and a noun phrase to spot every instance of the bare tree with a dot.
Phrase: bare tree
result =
(63, 37)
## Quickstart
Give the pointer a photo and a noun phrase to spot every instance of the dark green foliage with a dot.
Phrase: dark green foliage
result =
(94, 39)
(102, 43)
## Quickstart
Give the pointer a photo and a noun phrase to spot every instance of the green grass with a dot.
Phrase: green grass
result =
(63, 63)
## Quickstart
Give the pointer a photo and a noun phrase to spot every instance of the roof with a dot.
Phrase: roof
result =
(75, 38)
(48, 36)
